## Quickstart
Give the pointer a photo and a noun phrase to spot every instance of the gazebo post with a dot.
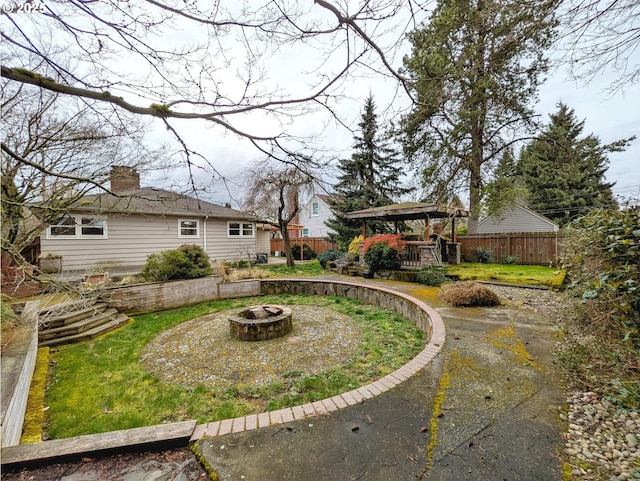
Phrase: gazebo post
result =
(364, 229)
(426, 228)
(453, 230)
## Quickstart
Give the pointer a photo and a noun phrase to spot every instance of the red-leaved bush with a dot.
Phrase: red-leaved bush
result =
(392, 240)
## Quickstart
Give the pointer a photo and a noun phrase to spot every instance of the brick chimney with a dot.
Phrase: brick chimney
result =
(124, 178)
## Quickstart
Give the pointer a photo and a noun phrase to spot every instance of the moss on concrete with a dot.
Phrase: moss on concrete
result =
(34, 416)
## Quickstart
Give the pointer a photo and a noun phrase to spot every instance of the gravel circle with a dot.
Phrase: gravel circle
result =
(202, 351)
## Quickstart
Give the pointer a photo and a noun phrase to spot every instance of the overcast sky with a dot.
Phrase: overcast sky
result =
(609, 116)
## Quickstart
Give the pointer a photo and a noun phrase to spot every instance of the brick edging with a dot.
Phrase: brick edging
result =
(25, 454)
(356, 396)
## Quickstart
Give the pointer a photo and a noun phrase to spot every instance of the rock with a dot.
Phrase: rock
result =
(631, 440)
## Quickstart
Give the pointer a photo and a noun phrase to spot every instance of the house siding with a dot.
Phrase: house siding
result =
(315, 223)
(131, 238)
(516, 219)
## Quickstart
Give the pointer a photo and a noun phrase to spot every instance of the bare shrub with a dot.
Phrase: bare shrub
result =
(468, 294)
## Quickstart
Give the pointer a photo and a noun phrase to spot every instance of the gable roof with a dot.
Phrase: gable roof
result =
(324, 198)
(516, 218)
(154, 201)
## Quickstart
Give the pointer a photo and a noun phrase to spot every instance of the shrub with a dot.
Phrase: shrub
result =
(198, 258)
(432, 276)
(601, 252)
(509, 259)
(482, 255)
(354, 248)
(307, 252)
(469, 294)
(330, 255)
(186, 262)
(383, 252)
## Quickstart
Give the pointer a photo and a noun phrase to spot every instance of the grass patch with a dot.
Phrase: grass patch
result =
(304, 268)
(509, 274)
(100, 386)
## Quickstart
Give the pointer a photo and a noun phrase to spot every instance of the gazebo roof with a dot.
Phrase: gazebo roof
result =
(407, 211)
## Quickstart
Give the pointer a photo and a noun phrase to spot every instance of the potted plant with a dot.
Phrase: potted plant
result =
(96, 276)
(51, 263)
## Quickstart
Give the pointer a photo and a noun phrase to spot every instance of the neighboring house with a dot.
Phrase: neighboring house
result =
(313, 215)
(516, 218)
(105, 230)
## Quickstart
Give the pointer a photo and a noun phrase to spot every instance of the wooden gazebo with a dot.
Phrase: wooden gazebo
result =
(428, 252)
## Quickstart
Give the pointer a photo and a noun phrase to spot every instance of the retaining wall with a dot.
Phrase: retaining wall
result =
(158, 296)
(407, 306)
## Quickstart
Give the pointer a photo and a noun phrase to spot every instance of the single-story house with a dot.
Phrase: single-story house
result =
(516, 218)
(312, 216)
(120, 230)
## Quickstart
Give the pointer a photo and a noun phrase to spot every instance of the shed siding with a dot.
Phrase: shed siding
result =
(131, 238)
(516, 219)
(263, 242)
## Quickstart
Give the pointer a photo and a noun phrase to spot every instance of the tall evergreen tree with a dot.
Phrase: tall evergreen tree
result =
(370, 178)
(563, 170)
(506, 188)
(475, 69)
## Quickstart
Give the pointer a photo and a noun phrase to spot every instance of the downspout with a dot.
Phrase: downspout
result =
(204, 233)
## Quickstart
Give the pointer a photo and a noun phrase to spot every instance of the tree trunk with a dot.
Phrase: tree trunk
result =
(287, 245)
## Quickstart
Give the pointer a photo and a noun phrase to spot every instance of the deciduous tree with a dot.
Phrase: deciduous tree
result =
(273, 194)
(54, 151)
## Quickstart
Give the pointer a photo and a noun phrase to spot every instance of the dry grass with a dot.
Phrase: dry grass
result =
(468, 294)
(9, 322)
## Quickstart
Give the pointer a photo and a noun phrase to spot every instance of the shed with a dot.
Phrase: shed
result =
(516, 218)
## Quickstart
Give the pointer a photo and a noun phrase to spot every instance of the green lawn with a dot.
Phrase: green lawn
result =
(509, 274)
(100, 386)
(304, 268)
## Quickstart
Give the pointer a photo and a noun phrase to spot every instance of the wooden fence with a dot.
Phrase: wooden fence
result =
(318, 244)
(536, 248)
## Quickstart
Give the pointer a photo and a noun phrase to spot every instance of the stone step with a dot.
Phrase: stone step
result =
(71, 317)
(119, 320)
(157, 437)
(80, 325)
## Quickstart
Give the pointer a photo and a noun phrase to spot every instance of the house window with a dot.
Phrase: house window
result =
(240, 229)
(90, 227)
(65, 226)
(77, 227)
(314, 209)
(305, 232)
(188, 228)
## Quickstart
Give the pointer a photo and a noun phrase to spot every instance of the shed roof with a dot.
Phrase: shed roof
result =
(407, 211)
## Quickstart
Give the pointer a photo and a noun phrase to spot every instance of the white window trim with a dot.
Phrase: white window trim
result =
(305, 232)
(78, 229)
(241, 228)
(317, 212)
(183, 236)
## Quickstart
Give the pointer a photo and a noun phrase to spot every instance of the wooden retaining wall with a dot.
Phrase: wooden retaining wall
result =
(535, 248)
(159, 296)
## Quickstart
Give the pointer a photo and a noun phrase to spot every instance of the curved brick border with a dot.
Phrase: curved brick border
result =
(425, 317)
(178, 434)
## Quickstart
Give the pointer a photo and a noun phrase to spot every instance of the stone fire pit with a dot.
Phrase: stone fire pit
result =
(261, 323)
